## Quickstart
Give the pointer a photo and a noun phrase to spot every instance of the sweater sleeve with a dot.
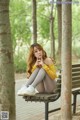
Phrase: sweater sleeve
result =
(50, 70)
(33, 68)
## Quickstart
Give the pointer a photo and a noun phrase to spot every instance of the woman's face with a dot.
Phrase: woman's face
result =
(37, 52)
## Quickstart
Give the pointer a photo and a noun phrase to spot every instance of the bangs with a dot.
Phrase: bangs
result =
(39, 47)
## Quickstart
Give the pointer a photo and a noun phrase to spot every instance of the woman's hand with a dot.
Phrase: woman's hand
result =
(39, 62)
(28, 75)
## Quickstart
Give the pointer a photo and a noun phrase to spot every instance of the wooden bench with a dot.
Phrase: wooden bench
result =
(46, 97)
(75, 84)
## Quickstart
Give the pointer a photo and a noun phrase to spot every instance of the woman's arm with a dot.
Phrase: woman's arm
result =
(49, 68)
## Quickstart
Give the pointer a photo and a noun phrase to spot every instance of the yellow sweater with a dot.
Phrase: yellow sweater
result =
(50, 70)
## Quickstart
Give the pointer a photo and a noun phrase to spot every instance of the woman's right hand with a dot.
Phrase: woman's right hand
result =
(39, 62)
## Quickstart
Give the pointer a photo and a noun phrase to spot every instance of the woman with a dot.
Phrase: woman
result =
(41, 72)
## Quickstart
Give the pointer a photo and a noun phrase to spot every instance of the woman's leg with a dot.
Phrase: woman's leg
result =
(42, 81)
(32, 77)
(41, 78)
(49, 84)
(29, 82)
(40, 87)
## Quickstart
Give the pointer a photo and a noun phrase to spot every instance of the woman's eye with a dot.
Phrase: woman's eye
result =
(35, 52)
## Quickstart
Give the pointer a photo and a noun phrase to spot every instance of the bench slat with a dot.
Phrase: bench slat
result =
(76, 90)
(76, 78)
(76, 85)
(76, 69)
(76, 73)
(76, 65)
(58, 90)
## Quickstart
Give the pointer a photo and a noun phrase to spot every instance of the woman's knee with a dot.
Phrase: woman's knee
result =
(36, 70)
(42, 70)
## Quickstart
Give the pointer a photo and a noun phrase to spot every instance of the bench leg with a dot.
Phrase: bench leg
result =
(74, 103)
(46, 110)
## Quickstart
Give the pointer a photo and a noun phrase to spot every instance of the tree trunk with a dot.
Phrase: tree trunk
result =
(52, 33)
(34, 21)
(7, 89)
(59, 12)
(66, 61)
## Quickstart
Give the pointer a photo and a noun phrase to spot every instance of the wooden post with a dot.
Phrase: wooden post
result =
(66, 60)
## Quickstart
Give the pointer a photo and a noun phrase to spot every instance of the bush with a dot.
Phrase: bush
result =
(19, 64)
(76, 48)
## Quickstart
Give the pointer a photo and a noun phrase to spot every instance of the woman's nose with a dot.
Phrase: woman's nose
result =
(38, 51)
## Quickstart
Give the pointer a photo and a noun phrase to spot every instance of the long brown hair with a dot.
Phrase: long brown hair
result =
(31, 58)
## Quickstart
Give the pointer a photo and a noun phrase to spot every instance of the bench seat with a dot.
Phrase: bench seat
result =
(41, 97)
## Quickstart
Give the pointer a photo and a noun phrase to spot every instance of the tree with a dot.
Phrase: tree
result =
(66, 60)
(52, 32)
(59, 15)
(7, 89)
(34, 21)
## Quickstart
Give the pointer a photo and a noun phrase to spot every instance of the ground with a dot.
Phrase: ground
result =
(19, 76)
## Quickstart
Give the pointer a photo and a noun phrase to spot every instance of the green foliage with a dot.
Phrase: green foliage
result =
(19, 64)
(20, 56)
(75, 21)
(21, 24)
(76, 31)
(44, 27)
(76, 47)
